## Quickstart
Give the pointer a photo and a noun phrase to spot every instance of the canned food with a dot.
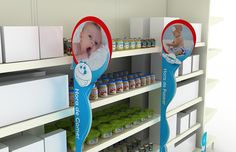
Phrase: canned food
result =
(119, 86)
(125, 85)
(94, 93)
(112, 88)
(137, 82)
(103, 91)
(131, 83)
(153, 78)
(143, 81)
(148, 79)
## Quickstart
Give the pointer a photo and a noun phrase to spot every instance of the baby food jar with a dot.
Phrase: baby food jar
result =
(94, 93)
(143, 43)
(119, 86)
(149, 43)
(125, 85)
(131, 83)
(132, 44)
(148, 79)
(137, 82)
(113, 45)
(111, 88)
(143, 81)
(153, 42)
(153, 78)
(120, 45)
(126, 44)
(103, 91)
(138, 43)
(125, 78)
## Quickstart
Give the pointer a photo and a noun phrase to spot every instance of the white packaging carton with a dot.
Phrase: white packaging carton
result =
(140, 27)
(184, 94)
(186, 66)
(195, 62)
(172, 122)
(0, 48)
(51, 41)
(29, 98)
(182, 122)
(192, 117)
(3, 148)
(198, 30)
(25, 143)
(55, 141)
(20, 43)
(187, 145)
(157, 24)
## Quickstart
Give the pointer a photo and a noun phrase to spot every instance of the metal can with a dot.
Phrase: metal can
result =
(126, 85)
(94, 93)
(103, 91)
(119, 86)
(111, 88)
(143, 81)
(131, 84)
(148, 79)
(153, 78)
(137, 82)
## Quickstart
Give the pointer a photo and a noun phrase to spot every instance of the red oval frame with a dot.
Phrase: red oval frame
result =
(101, 24)
(179, 21)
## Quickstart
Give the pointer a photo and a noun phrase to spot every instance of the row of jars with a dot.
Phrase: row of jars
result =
(129, 44)
(117, 82)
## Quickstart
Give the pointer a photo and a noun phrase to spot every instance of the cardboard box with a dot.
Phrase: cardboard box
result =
(51, 41)
(157, 24)
(192, 117)
(182, 122)
(198, 30)
(172, 121)
(25, 143)
(3, 148)
(55, 141)
(184, 93)
(140, 27)
(195, 62)
(29, 98)
(186, 145)
(20, 43)
(186, 66)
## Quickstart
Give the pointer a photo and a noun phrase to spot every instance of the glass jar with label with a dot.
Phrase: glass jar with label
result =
(119, 86)
(113, 45)
(138, 43)
(132, 44)
(148, 79)
(126, 44)
(94, 93)
(137, 82)
(143, 81)
(153, 78)
(119, 45)
(111, 88)
(149, 43)
(153, 42)
(143, 43)
(126, 85)
(103, 91)
(131, 83)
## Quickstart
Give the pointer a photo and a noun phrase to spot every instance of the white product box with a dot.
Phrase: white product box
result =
(55, 141)
(157, 24)
(186, 66)
(3, 148)
(140, 27)
(182, 122)
(25, 143)
(184, 94)
(195, 62)
(20, 43)
(192, 117)
(198, 30)
(177, 73)
(0, 48)
(172, 122)
(29, 98)
(51, 41)
(187, 145)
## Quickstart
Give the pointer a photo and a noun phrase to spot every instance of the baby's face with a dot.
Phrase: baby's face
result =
(90, 38)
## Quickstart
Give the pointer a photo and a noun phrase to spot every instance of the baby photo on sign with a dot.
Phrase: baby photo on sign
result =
(90, 45)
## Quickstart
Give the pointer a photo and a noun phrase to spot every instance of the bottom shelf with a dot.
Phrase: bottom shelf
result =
(104, 143)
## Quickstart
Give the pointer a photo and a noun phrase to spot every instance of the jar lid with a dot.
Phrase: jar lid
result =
(102, 85)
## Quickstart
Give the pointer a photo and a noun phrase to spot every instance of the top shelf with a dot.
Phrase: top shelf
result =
(66, 60)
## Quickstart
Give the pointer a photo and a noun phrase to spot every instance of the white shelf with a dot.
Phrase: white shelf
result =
(185, 134)
(104, 143)
(188, 76)
(35, 122)
(209, 113)
(127, 94)
(126, 53)
(184, 106)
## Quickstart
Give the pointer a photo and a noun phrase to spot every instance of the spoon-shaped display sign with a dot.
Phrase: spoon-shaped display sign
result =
(178, 41)
(91, 49)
